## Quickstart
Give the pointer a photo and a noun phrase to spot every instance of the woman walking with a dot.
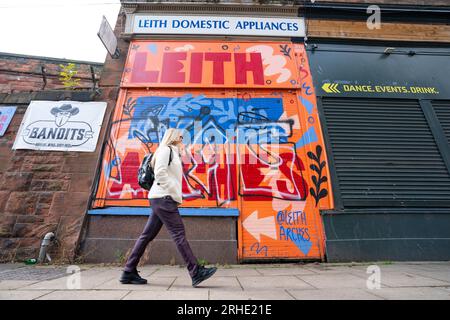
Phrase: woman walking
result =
(165, 196)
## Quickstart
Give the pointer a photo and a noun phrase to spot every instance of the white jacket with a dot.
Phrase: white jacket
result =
(167, 178)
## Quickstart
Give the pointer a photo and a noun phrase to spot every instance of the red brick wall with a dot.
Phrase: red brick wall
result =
(24, 73)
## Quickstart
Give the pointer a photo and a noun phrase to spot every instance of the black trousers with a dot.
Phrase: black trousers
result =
(165, 211)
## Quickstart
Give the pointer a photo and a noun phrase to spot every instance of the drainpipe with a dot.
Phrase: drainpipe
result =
(49, 237)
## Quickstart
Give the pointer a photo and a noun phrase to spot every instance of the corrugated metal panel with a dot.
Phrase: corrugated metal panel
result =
(442, 110)
(384, 153)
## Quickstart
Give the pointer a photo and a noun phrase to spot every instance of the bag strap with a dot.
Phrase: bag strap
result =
(153, 155)
(170, 155)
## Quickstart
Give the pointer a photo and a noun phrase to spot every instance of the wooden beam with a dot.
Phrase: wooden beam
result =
(388, 31)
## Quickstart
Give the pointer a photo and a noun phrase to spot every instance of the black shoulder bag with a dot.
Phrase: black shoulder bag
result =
(146, 175)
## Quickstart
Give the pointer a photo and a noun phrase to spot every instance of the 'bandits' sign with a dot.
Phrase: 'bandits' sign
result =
(61, 126)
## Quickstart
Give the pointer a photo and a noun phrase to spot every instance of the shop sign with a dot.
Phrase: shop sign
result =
(207, 25)
(6, 114)
(61, 126)
(368, 72)
(211, 64)
(342, 88)
(108, 38)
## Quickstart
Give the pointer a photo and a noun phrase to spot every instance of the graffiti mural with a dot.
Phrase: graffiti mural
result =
(257, 147)
(210, 65)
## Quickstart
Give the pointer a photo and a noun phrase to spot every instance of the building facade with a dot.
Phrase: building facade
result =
(319, 145)
(248, 177)
(314, 131)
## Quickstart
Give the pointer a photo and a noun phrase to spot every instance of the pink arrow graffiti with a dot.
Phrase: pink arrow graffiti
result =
(256, 227)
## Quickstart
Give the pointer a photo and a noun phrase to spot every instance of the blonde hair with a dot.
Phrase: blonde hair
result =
(170, 136)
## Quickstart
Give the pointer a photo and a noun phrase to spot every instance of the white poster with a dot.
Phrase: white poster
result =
(61, 126)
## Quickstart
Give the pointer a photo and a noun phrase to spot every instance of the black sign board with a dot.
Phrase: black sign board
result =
(380, 72)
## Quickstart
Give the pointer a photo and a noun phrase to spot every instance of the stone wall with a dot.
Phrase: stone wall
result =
(42, 192)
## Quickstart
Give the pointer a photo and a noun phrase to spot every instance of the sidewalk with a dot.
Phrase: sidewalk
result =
(414, 280)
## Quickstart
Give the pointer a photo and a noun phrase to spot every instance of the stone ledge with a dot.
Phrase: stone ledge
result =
(51, 95)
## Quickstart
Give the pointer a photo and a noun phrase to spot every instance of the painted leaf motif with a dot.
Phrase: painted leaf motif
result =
(312, 156)
(128, 107)
(323, 179)
(285, 50)
(323, 193)
(318, 152)
(314, 180)
(315, 168)
(313, 193)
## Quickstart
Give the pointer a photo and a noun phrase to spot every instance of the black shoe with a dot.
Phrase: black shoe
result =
(132, 278)
(202, 274)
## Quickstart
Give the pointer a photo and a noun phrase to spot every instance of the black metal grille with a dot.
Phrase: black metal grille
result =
(385, 154)
(442, 110)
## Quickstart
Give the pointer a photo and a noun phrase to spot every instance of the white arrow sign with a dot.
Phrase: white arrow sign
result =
(256, 227)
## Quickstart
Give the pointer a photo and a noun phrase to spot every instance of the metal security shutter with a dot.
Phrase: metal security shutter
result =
(442, 110)
(384, 154)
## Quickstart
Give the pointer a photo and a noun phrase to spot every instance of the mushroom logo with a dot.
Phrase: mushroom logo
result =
(63, 113)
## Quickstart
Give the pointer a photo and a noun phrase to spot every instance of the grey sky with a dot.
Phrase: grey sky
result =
(55, 28)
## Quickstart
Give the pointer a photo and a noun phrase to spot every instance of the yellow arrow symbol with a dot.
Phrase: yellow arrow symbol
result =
(334, 87)
(331, 88)
(326, 88)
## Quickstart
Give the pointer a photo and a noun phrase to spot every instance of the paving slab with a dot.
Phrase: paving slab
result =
(168, 295)
(437, 275)
(85, 295)
(334, 294)
(446, 289)
(424, 293)
(273, 294)
(334, 280)
(265, 282)
(442, 267)
(22, 295)
(215, 282)
(323, 269)
(170, 272)
(234, 272)
(284, 271)
(401, 279)
(14, 284)
(386, 267)
(154, 284)
(88, 280)
(409, 268)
